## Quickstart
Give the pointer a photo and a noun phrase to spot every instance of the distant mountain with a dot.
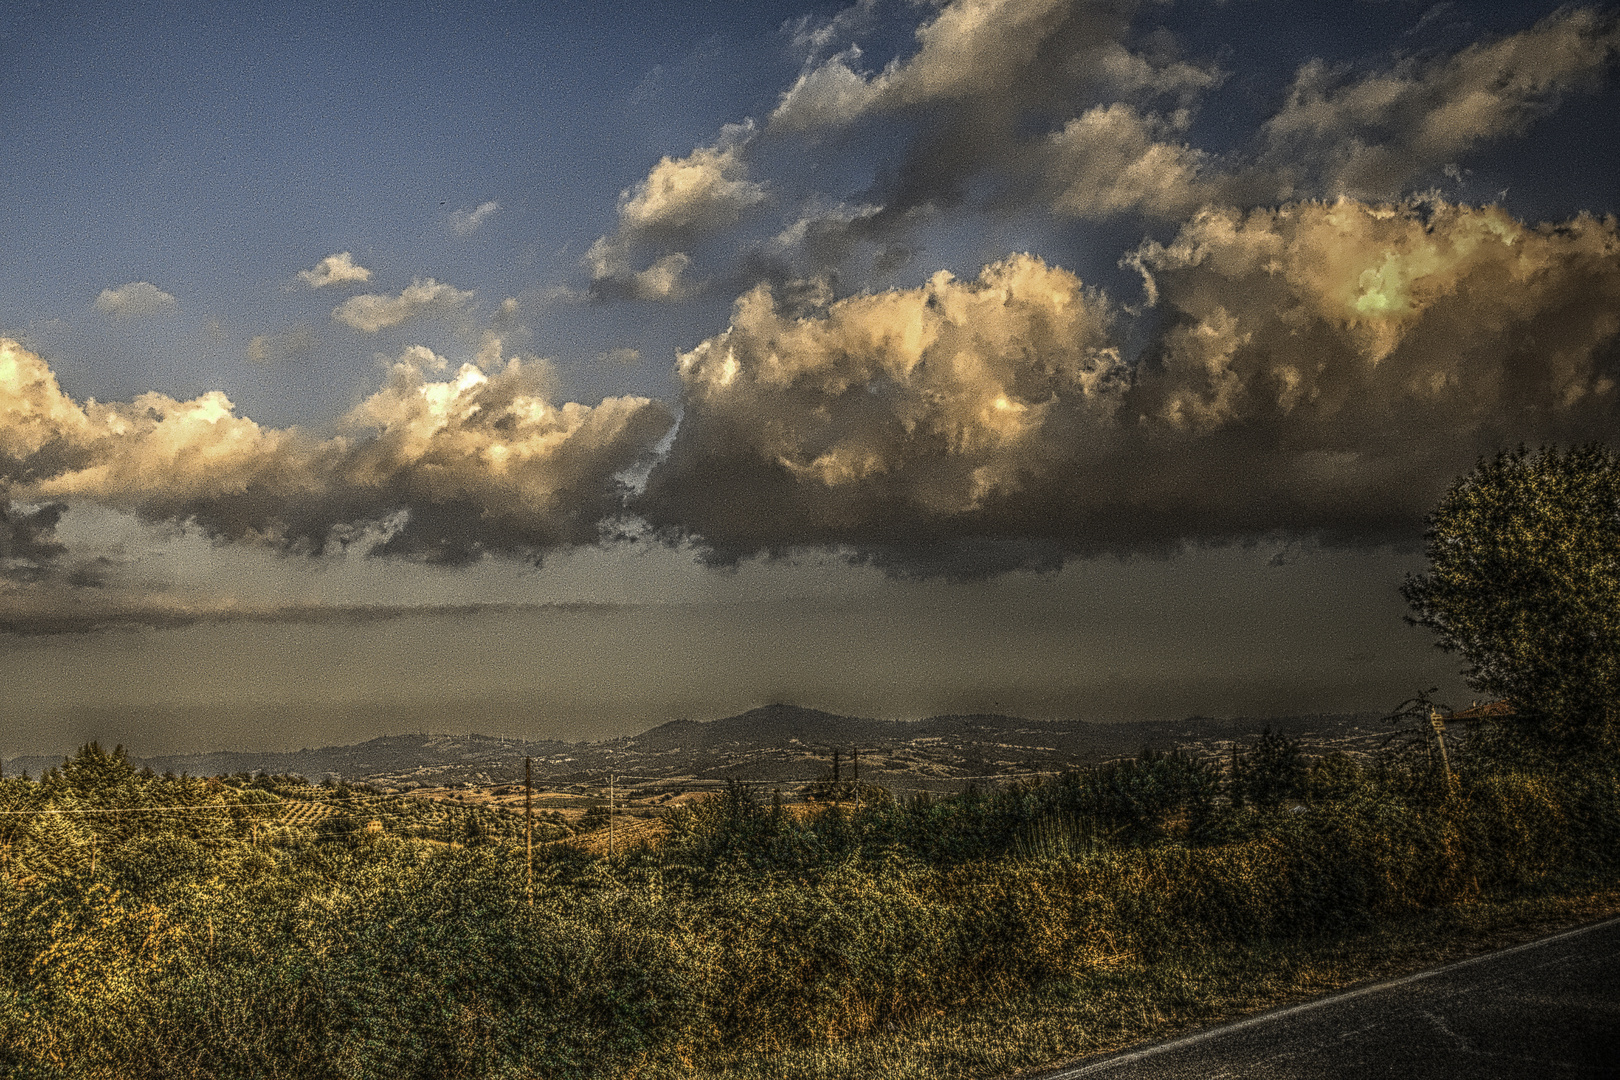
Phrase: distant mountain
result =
(771, 743)
(774, 725)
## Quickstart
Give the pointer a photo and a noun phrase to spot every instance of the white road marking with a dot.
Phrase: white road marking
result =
(1294, 1010)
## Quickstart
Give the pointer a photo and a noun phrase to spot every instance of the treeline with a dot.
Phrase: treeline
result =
(182, 948)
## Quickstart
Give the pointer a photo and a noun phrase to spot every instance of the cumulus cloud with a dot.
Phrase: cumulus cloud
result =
(991, 78)
(370, 312)
(1323, 369)
(892, 412)
(339, 269)
(681, 201)
(1066, 104)
(464, 222)
(135, 299)
(443, 470)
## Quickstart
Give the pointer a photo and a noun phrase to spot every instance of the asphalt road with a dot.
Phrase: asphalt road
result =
(1549, 1008)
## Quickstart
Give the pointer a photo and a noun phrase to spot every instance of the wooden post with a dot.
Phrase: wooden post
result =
(528, 820)
(855, 764)
(610, 814)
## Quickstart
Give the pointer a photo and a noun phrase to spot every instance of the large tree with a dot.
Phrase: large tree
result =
(1524, 583)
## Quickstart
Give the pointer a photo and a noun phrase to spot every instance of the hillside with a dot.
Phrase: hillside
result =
(774, 743)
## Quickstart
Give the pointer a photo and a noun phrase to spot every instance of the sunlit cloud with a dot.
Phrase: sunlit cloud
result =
(681, 200)
(443, 471)
(370, 312)
(1322, 369)
(137, 298)
(339, 269)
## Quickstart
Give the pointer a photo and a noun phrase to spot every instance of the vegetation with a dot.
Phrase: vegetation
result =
(185, 929)
(1524, 583)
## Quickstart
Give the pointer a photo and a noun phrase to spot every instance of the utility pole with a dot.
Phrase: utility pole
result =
(1439, 727)
(528, 820)
(610, 813)
(855, 762)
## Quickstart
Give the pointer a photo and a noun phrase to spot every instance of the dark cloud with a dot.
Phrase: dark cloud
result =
(28, 548)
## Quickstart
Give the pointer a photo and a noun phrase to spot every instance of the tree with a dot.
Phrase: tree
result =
(1524, 583)
(1273, 770)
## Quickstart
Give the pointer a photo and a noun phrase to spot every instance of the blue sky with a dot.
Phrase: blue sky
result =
(376, 314)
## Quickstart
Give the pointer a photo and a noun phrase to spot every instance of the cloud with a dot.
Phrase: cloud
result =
(370, 312)
(1323, 369)
(992, 56)
(463, 222)
(442, 470)
(989, 83)
(135, 299)
(339, 269)
(294, 344)
(1113, 160)
(1369, 137)
(681, 201)
(892, 412)
(28, 548)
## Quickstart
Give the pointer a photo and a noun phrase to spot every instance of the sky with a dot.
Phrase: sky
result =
(563, 369)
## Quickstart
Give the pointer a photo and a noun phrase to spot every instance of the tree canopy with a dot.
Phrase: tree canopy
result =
(1524, 583)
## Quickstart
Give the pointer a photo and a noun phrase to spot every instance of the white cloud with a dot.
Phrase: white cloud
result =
(370, 312)
(339, 269)
(135, 299)
(465, 221)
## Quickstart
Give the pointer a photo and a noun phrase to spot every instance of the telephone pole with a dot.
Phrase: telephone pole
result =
(855, 765)
(528, 820)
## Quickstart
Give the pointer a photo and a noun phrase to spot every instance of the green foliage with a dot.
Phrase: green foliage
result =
(1524, 583)
(191, 951)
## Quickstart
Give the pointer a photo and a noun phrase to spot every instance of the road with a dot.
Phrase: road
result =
(1548, 1008)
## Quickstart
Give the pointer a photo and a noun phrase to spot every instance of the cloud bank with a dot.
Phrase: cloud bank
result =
(438, 470)
(1322, 369)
